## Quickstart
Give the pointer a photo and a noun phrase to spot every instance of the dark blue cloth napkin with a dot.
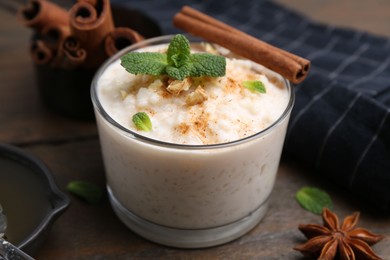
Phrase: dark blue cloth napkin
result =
(340, 124)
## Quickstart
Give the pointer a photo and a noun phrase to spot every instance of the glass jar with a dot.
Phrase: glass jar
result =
(188, 196)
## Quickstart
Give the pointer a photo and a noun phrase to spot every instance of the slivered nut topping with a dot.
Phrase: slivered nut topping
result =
(123, 94)
(177, 86)
(196, 97)
(210, 49)
(156, 84)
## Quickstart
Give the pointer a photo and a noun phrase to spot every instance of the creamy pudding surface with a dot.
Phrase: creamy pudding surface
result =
(203, 111)
(192, 187)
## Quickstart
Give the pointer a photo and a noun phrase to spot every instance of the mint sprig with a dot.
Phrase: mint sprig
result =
(177, 63)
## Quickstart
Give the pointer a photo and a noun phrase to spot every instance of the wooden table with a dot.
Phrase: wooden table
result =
(71, 150)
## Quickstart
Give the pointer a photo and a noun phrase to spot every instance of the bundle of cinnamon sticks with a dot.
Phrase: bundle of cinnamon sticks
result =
(83, 36)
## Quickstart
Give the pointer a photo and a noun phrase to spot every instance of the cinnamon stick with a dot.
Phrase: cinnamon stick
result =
(70, 54)
(54, 35)
(37, 14)
(291, 66)
(207, 19)
(40, 52)
(120, 38)
(90, 22)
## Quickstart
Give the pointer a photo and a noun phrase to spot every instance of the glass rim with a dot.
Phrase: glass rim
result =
(141, 138)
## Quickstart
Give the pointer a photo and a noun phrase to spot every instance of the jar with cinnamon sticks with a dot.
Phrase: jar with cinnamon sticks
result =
(68, 46)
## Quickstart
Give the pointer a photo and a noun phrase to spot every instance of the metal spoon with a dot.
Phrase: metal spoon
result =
(7, 250)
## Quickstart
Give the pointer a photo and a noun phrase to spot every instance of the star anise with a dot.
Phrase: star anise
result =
(346, 242)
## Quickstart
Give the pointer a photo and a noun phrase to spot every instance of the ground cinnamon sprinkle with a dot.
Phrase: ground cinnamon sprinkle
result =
(200, 125)
(231, 85)
(183, 128)
(164, 93)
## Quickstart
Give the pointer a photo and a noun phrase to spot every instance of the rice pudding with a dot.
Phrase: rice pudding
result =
(210, 159)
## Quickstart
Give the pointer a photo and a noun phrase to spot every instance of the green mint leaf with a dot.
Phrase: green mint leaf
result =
(177, 63)
(179, 60)
(204, 64)
(199, 64)
(178, 56)
(179, 51)
(85, 190)
(254, 85)
(179, 73)
(149, 63)
(142, 121)
(313, 199)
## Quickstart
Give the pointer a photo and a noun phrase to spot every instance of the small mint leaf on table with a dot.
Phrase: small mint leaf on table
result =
(89, 192)
(313, 199)
(254, 85)
(142, 121)
(150, 63)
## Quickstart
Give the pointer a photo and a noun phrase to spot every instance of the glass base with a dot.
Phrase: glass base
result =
(187, 238)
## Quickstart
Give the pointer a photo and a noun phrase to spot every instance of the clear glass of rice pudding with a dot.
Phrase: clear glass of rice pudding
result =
(204, 174)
